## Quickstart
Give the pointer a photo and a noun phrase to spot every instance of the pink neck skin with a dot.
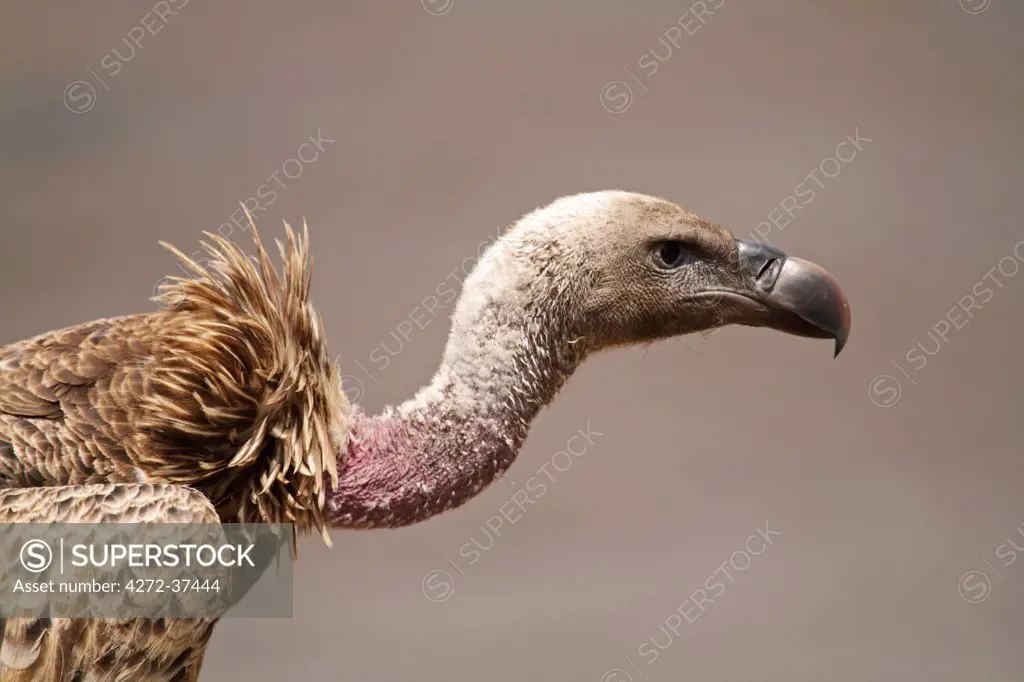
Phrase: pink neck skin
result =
(431, 455)
(399, 471)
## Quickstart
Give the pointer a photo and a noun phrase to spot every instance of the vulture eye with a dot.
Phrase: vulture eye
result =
(670, 255)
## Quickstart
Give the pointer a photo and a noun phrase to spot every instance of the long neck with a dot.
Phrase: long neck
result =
(506, 358)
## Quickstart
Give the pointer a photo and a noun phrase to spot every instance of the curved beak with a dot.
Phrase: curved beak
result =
(796, 296)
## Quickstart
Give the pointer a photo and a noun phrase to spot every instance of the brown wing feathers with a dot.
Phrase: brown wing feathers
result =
(62, 649)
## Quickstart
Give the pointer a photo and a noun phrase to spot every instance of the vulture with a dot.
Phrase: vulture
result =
(223, 405)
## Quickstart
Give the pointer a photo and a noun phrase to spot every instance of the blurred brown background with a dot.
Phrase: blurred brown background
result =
(450, 119)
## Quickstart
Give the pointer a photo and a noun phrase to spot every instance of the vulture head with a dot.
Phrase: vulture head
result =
(613, 268)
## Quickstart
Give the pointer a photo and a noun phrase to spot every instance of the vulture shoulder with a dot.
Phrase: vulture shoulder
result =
(228, 388)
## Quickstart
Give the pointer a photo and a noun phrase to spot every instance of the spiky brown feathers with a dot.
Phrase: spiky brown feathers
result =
(228, 388)
(245, 371)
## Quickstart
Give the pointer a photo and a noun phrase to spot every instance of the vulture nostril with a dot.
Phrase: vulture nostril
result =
(764, 268)
(768, 274)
